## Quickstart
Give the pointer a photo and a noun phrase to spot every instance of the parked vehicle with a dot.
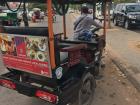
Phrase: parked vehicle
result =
(127, 15)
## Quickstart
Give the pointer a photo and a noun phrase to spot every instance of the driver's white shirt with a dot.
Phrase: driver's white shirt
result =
(85, 24)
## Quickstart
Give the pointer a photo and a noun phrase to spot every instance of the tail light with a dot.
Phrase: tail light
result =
(8, 84)
(47, 96)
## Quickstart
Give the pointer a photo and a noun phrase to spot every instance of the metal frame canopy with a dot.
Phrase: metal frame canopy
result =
(49, 4)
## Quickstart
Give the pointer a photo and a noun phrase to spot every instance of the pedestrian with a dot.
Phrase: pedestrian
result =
(84, 22)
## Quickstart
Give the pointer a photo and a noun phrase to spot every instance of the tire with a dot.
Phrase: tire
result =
(98, 66)
(115, 22)
(97, 69)
(87, 89)
(126, 25)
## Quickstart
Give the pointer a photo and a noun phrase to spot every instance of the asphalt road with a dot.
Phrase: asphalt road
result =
(112, 89)
(57, 25)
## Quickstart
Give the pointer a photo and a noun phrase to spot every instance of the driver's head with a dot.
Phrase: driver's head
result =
(84, 9)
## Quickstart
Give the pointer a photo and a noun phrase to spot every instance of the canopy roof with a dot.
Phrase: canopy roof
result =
(66, 1)
(3, 8)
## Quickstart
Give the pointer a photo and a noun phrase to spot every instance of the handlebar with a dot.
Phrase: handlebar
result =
(93, 30)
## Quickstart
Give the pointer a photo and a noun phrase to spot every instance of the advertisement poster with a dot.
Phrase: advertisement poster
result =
(26, 53)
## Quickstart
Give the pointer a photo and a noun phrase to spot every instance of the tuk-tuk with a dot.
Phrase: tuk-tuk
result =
(9, 18)
(51, 66)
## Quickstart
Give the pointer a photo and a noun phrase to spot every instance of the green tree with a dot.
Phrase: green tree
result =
(124, 1)
(37, 5)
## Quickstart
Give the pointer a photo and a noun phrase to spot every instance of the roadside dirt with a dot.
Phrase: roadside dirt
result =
(135, 45)
(114, 88)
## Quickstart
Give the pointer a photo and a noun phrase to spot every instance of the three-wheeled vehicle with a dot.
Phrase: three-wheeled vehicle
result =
(51, 67)
(9, 18)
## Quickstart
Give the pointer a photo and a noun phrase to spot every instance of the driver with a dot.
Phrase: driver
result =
(84, 22)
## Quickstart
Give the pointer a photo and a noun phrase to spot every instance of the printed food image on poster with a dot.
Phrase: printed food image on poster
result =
(20, 46)
(36, 48)
(7, 45)
(26, 53)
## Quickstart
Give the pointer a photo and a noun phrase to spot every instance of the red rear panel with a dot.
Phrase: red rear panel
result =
(26, 53)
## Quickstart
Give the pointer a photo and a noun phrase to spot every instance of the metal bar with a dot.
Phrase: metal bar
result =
(104, 31)
(25, 18)
(94, 9)
(64, 26)
(64, 23)
(50, 31)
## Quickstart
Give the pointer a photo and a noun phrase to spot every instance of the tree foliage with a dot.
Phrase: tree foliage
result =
(124, 1)
(36, 5)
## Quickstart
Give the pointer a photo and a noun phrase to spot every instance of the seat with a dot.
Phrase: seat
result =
(63, 57)
(71, 53)
(76, 41)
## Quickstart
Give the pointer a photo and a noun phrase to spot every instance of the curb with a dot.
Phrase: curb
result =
(131, 72)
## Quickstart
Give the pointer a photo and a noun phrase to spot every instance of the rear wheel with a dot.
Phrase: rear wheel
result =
(126, 24)
(97, 69)
(87, 89)
(115, 22)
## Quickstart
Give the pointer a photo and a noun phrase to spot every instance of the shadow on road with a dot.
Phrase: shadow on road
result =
(136, 29)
